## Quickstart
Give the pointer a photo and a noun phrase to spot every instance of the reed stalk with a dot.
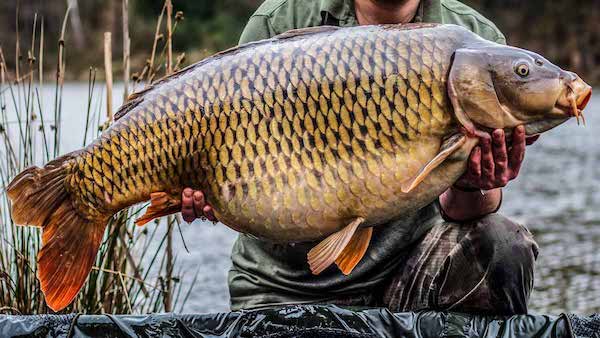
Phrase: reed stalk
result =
(17, 45)
(169, 67)
(168, 299)
(134, 268)
(157, 38)
(126, 50)
(108, 75)
(60, 81)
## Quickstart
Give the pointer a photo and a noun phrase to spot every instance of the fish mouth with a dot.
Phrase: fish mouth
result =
(571, 103)
(574, 99)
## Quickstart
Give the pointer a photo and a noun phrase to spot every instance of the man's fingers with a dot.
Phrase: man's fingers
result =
(187, 205)
(475, 163)
(198, 203)
(517, 152)
(487, 163)
(472, 177)
(202, 208)
(499, 144)
(500, 157)
(209, 213)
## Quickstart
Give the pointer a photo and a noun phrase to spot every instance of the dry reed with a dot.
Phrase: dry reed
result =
(133, 272)
(108, 72)
(126, 49)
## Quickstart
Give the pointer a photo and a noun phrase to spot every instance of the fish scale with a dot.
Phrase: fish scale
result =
(299, 132)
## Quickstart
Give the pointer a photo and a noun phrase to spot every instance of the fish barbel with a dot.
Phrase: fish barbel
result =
(319, 133)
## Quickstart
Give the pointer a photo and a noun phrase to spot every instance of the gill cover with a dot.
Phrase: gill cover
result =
(472, 93)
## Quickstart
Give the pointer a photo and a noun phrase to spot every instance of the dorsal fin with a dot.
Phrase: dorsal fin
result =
(412, 25)
(305, 31)
(136, 98)
(132, 101)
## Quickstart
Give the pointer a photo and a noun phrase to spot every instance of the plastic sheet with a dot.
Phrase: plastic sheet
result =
(300, 321)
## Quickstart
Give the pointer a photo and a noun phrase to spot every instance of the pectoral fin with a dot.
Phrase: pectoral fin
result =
(333, 248)
(449, 146)
(161, 204)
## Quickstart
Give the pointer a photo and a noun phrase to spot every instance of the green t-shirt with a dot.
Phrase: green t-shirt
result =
(278, 16)
(265, 274)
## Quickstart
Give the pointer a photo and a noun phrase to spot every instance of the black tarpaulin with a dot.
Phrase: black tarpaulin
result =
(301, 321)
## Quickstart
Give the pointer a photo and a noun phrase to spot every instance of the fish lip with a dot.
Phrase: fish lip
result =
(584, 99)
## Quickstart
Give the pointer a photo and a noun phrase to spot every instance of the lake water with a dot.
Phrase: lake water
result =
(557, 195)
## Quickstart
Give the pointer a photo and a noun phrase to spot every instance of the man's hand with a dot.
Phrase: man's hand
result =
(491, 166)
(194, 205)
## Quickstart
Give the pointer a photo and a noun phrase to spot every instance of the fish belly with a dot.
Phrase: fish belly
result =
(305, 210)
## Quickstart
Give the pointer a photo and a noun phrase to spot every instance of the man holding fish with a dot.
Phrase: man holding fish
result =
(470, 260)
(360, 138)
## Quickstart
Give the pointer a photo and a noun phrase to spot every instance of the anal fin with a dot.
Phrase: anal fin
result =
(331, 248)
(161, 204)
(355, 250)
(450, 145)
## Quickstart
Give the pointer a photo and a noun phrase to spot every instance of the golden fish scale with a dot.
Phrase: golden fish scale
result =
(290, 139)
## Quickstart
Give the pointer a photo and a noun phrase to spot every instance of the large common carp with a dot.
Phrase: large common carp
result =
(319, 133)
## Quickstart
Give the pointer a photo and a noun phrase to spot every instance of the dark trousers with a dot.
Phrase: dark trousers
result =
(483, 266)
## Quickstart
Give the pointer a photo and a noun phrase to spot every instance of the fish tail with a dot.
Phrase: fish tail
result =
(39, 197)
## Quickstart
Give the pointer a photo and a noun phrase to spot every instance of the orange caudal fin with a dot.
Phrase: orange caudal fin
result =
(161, 204)
(36, 192)
(66, 259)
(70, 241)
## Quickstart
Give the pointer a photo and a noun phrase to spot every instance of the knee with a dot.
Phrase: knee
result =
(490, 269)
(500, 236)
(507, 247)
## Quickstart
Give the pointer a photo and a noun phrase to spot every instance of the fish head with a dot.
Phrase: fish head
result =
(501, 87)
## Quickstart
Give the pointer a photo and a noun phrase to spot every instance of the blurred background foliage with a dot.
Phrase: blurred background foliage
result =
(566, 32)
(208, 26)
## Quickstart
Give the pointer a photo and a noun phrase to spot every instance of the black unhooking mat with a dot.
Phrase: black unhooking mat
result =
(302, 321)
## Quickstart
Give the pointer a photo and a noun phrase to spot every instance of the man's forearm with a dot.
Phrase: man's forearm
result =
(461, 205)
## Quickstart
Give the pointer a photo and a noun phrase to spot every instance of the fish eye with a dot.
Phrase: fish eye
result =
(522, 70)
